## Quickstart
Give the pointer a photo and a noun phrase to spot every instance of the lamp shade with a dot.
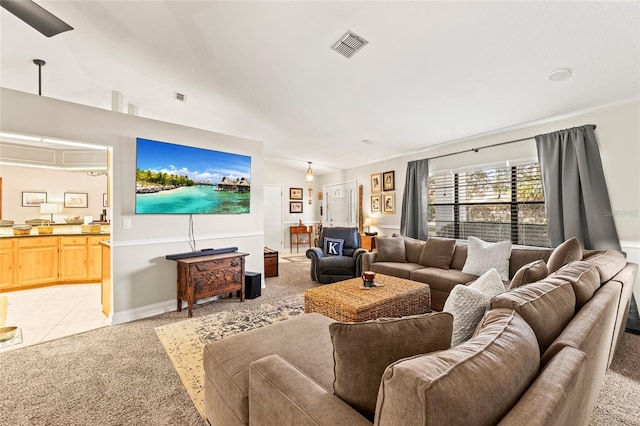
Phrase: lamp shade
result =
(368, 222)
(51, 208)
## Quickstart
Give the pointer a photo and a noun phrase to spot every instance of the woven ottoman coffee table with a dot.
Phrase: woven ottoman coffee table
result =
(346, 301)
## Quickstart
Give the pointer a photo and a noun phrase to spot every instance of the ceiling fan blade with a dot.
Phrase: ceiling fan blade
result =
(36, 16)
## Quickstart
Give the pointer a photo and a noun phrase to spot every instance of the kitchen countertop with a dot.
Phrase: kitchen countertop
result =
(58, 230)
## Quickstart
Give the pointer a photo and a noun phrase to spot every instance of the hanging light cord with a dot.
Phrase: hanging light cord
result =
(192, 238)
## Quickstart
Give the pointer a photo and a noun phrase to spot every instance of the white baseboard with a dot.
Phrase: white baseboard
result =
(154, 309)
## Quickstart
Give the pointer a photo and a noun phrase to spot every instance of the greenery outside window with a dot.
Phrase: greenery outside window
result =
(493, 203)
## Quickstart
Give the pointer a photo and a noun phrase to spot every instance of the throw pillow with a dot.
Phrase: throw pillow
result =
(468, 304)
(482, 256)
(333, 246)
(566, 252)
(438, 252)
(363, 350)
(529, 273)
(390, 249)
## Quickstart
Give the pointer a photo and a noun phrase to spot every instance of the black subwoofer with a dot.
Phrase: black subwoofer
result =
(252, 285)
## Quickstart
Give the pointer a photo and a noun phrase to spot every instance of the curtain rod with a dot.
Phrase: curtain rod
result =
(488, 146)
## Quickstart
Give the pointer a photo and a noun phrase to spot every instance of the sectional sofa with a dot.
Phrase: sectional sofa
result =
(537, 357)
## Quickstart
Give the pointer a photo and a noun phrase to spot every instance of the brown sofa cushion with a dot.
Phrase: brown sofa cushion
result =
(608, 263)
(475, 383)
(437, 252)
(363, 350)
(584, 278)
(413, 248)
(547, 306)
(390, 249)
(483, 255)
(529, 273)
(459, 256)
(566, 252)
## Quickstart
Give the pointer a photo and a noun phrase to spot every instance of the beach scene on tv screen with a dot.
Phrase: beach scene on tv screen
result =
(179, 179)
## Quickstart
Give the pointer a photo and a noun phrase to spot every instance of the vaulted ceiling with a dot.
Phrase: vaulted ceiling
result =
(432, 72)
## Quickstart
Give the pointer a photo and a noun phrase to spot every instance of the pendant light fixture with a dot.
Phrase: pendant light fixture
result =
(309, 173)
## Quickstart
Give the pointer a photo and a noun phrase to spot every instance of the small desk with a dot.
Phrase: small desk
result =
(207, 276)
(296, 231)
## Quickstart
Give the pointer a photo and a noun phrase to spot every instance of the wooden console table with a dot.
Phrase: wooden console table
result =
(207, 276)
(296, 231)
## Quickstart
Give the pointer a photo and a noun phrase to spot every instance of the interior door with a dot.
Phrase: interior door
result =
(341, 204)
(273, 217)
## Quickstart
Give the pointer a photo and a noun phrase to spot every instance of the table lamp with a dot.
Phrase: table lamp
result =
(50, 208)
(368, 222)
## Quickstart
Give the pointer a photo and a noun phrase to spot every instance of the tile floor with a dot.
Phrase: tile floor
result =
(49, 313)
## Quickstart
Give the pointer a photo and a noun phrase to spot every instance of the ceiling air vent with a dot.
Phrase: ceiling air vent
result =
(349, 44)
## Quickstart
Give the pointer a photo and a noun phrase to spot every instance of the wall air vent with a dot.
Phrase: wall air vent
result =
(349, 44)
(181, 97)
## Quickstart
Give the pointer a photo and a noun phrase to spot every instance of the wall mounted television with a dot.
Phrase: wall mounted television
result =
(179, 179)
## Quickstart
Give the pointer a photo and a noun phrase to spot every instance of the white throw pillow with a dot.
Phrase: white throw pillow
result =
(468, 304)
(490, 283)
(482, 256)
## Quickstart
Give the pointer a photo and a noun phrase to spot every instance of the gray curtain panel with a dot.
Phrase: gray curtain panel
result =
(575, 191)
(413, 221)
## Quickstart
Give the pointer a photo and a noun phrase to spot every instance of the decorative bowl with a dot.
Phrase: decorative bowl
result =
(74, 220)
(7, 333)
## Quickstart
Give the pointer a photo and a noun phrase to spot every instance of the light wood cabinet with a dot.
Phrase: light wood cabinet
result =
(73, 258)
(37, 260)
(94, 253)
(105, 298)
(7, 269)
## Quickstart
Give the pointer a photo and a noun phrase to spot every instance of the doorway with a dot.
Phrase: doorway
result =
(272, 205)
(340, 203)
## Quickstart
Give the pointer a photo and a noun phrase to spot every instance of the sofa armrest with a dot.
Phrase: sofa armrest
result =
(280, 394)
(368, 259)
(315, 254)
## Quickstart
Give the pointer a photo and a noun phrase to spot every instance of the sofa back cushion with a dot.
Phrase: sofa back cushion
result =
(584, 278)
(412, 247)
(459, 256)
(608, 263)
(523, 256)
(569, 251)
(529, 273)
(547, 306)
(475, 383)
(363, 350)
(437, 252)
(391, 249)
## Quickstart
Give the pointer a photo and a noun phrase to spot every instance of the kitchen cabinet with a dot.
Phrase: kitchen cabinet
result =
(94, 254)
(6, 264)
(73, 258)
(37, 261)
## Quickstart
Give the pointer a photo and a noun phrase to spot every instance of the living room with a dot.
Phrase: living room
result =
(144, 281)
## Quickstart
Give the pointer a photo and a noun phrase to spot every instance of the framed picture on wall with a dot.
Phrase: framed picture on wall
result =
(389, 181)
(375, 204)
(295, 206)
(76, 200)
(389, 203)
(33, 199)
(295, 193)
(376, 182)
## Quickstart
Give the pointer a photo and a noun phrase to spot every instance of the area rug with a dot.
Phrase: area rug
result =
(298, 259)
(184, 341)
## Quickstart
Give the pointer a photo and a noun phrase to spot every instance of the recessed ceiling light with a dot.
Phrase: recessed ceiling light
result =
(560, 74)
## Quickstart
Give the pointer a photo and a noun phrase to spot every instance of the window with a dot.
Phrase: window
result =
(494, 204)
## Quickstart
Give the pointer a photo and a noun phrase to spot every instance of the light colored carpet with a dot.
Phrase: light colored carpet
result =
(184, 341)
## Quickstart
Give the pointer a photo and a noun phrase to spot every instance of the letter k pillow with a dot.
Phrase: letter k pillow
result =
(333, 246)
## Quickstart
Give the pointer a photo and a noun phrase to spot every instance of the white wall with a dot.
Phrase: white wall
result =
(144, 282)
(55, 183)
